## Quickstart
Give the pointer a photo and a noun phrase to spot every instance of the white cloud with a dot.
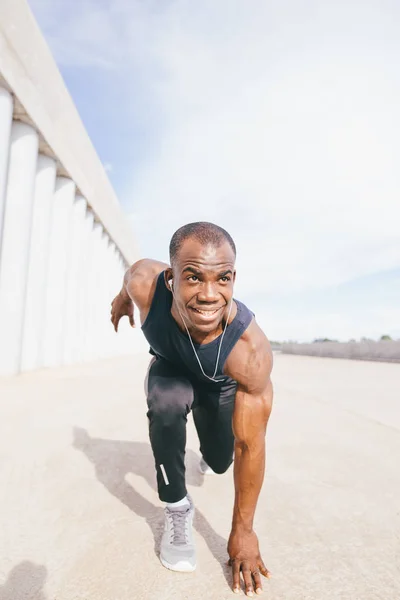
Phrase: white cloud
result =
(368, 306)
(279, 121)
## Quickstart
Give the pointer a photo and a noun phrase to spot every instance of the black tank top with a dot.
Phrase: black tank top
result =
(167, 341)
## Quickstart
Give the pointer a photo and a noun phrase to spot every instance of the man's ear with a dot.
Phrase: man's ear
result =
(168, 276)
(234, 276)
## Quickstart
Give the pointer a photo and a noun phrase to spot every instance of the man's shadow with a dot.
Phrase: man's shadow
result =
(114, 460)
(26, 581)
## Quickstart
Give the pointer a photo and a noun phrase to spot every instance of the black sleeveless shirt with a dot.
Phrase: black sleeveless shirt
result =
(167, 341)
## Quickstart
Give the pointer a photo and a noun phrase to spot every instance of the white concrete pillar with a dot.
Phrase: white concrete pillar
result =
(85, 293)
(100, 321)
(34, 321)
(100, 296)
(6, 112)
(76, 249)
(104, 315)
(111, 291)
(15, 243)
(58, 272)
(93, 338)
(113, 288)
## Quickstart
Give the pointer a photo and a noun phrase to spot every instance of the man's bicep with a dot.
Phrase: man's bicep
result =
(251, 413)
(250, 365)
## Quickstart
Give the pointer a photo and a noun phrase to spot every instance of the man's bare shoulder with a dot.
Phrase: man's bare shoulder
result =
(250, 362)
(141, 281)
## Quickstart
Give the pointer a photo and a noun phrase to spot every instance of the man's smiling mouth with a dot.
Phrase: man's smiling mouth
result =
(206, 312)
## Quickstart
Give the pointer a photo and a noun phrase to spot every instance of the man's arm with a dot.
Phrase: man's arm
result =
(138, 287)
(250, 364)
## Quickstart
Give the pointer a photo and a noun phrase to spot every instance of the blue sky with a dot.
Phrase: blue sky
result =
(277, 120)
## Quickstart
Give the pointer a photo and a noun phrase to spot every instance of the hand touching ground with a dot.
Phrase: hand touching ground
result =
(244, 556)
(121, 307)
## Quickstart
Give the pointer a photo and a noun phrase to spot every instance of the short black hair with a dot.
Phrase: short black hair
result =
(202, 231)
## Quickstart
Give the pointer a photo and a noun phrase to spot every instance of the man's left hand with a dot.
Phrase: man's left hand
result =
(244, 556)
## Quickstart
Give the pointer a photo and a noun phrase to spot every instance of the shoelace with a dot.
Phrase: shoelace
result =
(179, 526)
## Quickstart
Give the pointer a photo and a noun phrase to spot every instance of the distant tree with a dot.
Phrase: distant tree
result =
(386, 338)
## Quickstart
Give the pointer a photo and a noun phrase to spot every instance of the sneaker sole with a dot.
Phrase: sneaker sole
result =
(180, 567)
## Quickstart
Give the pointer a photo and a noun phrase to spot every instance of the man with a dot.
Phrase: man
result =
(209, 357)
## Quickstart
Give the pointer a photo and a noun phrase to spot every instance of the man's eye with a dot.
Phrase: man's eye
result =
(225, 279)
(193, 278)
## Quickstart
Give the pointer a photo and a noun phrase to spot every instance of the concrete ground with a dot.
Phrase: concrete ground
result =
(80, 518)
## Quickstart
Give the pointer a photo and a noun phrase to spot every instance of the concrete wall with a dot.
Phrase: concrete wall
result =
(381, 351)
(64, 241)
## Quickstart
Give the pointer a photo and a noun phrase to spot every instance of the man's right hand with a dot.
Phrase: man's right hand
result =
(121, 306)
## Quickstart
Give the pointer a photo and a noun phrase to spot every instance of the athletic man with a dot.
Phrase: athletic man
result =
(209, 357)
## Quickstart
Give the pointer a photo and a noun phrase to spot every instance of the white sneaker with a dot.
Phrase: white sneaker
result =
(204, 468)
(177, 545)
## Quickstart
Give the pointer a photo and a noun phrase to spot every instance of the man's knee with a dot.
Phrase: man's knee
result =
(219, 464)
(169, 400)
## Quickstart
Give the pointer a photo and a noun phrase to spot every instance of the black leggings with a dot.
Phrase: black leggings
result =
(170, 398)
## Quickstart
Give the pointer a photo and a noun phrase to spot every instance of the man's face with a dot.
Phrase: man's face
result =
(203, 283)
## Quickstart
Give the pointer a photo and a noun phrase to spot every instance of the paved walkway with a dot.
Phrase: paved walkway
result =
(80, 518)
